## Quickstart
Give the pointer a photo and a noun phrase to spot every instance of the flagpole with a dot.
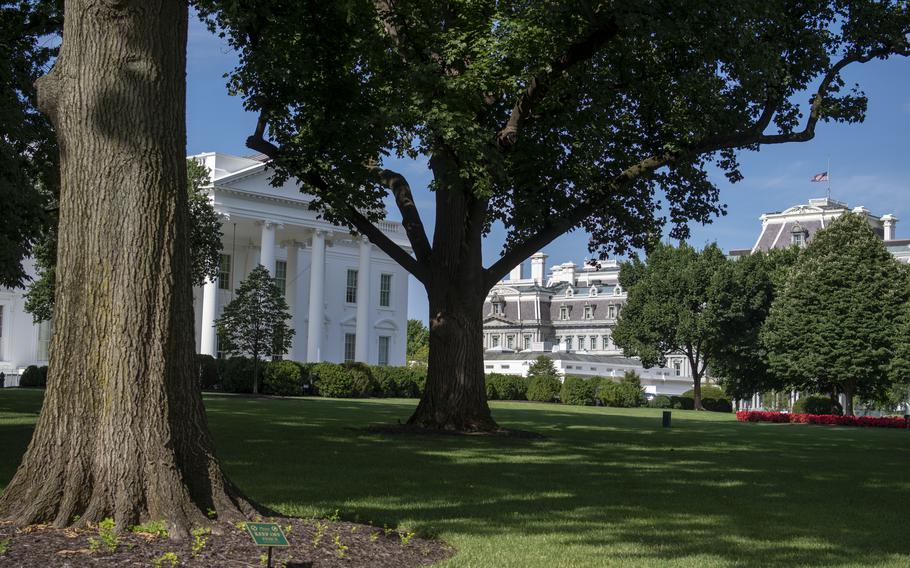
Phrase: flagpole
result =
(829, 177)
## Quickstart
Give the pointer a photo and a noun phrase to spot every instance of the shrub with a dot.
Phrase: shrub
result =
(282, 378)
(682, 402)
(660, 401)
(827, 419)
(578, 390)
(332, 380)
(815, 404)
(506, 387)
(543, 388)
(626, 394)
(237, 375)
(717, 404)
(34, 376)
(707, 391)
(207, 371)
(362, 381)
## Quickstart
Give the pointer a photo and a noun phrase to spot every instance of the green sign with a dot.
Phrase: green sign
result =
(267, 534)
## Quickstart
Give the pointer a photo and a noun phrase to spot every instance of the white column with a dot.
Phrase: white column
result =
(267, 246)
(290, 295)
(362, 342)
(317, 298)
(209, 309)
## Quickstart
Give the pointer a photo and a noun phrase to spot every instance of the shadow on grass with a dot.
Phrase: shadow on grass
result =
(605, 486)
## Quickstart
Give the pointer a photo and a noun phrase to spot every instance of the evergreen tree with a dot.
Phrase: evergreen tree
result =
(543, 380)
(835, 325)
(254, 323)
(671, 307)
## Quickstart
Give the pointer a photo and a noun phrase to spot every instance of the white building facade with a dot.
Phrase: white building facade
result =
(568, 314)
(348, 300)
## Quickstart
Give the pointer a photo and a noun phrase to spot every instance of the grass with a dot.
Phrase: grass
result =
(608, 487)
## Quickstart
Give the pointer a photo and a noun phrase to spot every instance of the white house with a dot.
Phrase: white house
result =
(348, 299)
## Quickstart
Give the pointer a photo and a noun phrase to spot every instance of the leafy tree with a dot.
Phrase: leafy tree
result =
(670, 307)
(899, 395)
(418, 341)
(254, 323)
(205, 246)
(28, 147)
(122, 432)
(834, 324)
(743, 292)
(543, 380)
(542, 116)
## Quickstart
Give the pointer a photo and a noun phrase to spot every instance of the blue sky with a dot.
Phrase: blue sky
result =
(870, 162)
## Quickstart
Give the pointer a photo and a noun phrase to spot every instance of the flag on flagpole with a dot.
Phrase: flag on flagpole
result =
(820, 177)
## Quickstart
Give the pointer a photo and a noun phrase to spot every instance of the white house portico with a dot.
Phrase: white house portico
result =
(348, 300)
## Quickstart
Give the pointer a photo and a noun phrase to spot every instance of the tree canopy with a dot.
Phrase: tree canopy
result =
(835, 324)
(672, 307)
(28, 147)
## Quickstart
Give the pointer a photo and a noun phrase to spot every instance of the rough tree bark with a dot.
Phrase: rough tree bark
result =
(455, 396)
(122, 432)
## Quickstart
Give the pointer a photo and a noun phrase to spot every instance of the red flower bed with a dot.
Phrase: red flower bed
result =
(862, 421)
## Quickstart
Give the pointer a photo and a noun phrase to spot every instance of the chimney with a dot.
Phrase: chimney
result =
(539, 268)
(568, 270)
(518, 273)
(890, 223)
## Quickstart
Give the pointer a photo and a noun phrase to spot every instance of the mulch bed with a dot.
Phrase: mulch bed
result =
(407, 429)
(315, 543)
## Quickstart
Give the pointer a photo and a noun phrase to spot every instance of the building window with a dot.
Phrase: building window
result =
(570, 292)
(497, 309)
(607, 341)
(385, 290)
(611, 312)
(589, 312)
(45, 330)
(281, 275)
(488, 366)
(568, 343)
(350, 291)
(527, 341)
(494, 341)
(617, 291)
(563, 312)
(593, 342)
(677, 368)
(797, 239)
(224, 272)
(510, 342)
(593, 291)
(581, 342)
(350, 341)
(384, 342)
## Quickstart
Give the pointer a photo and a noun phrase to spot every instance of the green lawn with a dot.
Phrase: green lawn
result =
(608, 487)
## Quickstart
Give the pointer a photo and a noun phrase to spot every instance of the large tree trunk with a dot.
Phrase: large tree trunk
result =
(696, 392)
(122, 432)
(849, 390)
(455, 395)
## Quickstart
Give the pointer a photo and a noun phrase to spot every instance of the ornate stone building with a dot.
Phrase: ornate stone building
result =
(566, 313)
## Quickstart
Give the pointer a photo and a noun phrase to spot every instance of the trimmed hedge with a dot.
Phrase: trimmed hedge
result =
(817, 405)
(717, 404)
(578, 391)
(332, 380)
(404, 382)
(237, 375)
(707, 391)
(620, 395)
(543, 388)
(826, 419)
(660, 401)
(207, 370)
(682, 403)
(506, 387)
(34, 376)
(282, 378)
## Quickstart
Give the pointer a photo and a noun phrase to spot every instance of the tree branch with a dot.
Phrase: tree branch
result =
(410, 215)
(540, 84)
(752, 135)
(363, 225)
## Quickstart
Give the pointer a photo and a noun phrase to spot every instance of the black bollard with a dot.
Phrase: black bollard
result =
(666, 419)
